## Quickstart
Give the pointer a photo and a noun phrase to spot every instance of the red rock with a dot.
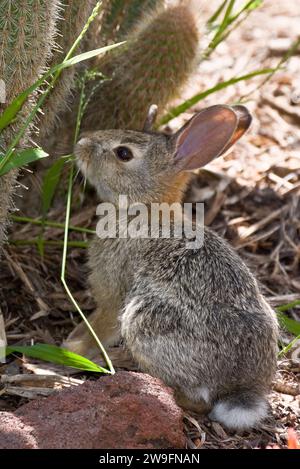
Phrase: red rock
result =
(127, 410)
(14, 433)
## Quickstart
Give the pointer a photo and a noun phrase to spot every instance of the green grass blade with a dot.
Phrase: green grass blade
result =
(11, 111)
(37, 242)
(49, 186)
(84, 56)
(217, 13)
(236, 21)
(63, 270)
(176, 111)
(225, 22)
(50, 183)
(22, 158)
(41, 246)
(66, 241)
(292, 50)
(288, 306)
(286, 349)
(223, 30)
(250, 6)
(57, 355)
(53, 224)
(289, 324)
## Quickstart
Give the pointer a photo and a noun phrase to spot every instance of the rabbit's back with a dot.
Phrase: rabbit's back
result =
(203, 307)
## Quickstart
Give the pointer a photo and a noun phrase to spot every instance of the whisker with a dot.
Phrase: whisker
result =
(83, 180)
(76, 174)
(84, 183)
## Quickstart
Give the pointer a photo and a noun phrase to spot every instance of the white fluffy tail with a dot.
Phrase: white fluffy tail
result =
(241, 411)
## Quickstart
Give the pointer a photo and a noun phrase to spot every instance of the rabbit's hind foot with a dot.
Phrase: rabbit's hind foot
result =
(195, 400)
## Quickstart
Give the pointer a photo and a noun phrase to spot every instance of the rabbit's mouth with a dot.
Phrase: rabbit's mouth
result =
(83, 152)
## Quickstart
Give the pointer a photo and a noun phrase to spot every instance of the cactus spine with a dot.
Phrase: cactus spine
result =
(27, 36)
(156, 62)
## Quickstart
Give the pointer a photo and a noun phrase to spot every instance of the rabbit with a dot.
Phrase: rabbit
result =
(195, 318)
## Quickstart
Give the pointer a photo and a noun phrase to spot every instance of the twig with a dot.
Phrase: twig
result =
(280, 299)
(22, 275)
(3, 339)
(265, 221)
(285, 388)
(46, 380)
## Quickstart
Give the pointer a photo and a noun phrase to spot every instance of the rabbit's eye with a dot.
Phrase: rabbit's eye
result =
(123, 153)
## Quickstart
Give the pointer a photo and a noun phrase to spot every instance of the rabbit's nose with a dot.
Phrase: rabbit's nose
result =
(85, 148)
(84, 142)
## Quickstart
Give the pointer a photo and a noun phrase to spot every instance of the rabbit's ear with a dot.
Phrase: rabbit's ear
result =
(151, 118)
(209, 134)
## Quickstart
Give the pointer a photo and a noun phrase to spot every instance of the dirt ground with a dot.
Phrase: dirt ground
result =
(251, 196)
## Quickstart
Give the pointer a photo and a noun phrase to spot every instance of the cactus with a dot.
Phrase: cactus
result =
(27, 37)
(116, 19)
(151, 68)
(69, 25)
(33, 32)
(121, 16)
